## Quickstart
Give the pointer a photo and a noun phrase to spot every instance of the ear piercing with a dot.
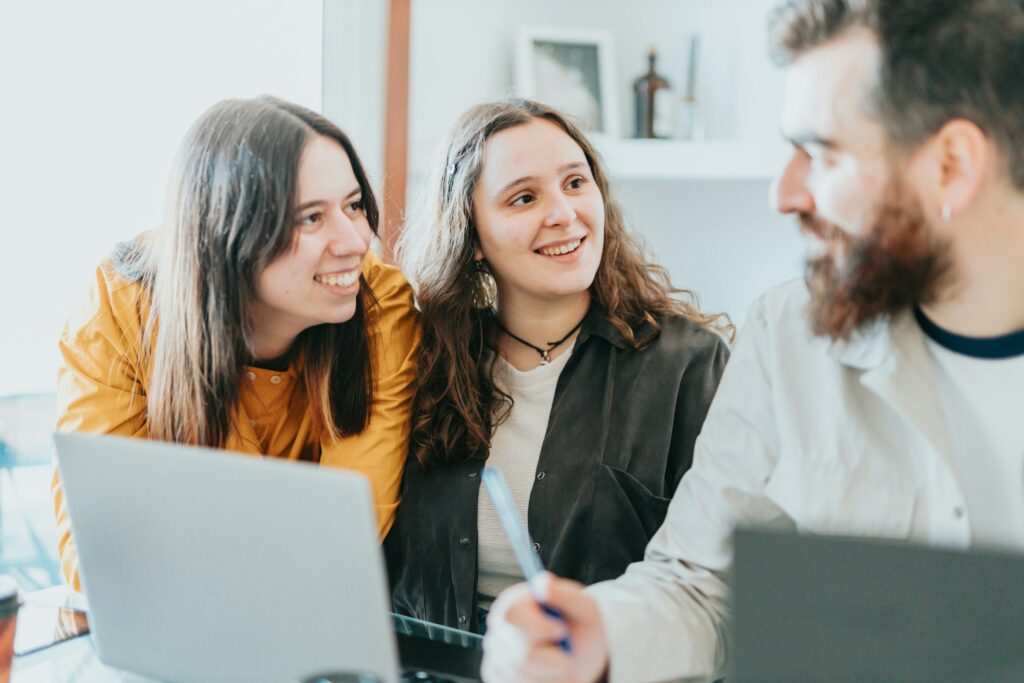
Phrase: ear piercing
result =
(483, 288)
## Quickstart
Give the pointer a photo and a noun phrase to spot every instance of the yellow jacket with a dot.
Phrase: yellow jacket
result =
(102, 388)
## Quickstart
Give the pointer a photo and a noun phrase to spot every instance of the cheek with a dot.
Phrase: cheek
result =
(592, 214)
(597, 222)
(847, 196)
(288, 273)
(300, 262)
(508, 235)
(269, 285)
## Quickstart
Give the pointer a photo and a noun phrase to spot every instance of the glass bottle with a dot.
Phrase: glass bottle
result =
(652, 102)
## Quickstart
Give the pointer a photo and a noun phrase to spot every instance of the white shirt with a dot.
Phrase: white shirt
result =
(802, 435)
(515, 450)
(983, 403)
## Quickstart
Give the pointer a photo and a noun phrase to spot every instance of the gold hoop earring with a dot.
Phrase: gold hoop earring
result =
(483, 288)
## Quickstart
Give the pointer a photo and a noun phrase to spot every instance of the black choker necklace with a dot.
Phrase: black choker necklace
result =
(544, 357)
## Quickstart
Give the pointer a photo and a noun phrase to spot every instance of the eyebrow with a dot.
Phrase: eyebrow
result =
(315, 202)
(528, 178)
(804, 139)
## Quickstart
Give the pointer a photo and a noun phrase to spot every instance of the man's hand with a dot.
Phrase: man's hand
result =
(522, 641)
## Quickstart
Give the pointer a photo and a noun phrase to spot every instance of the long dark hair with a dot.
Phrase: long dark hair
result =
(457, 404)
(229, 214)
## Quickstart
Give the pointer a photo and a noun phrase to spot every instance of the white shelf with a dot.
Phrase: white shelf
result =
(691, 161)
(671, 160)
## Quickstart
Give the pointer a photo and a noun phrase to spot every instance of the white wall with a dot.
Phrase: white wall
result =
(94, 99)
(462, 53)
(355, 71)
(720, 238)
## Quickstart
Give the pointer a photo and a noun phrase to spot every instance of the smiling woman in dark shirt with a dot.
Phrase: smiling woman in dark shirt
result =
(552, 349)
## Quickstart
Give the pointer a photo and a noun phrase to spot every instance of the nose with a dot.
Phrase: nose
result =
(348, 237)
(789, 191)
(561, 213)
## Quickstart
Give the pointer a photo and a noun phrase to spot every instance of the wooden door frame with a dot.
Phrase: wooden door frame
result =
(396, 127)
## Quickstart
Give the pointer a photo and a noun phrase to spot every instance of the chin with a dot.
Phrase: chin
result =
(567, 289)
(341, 315)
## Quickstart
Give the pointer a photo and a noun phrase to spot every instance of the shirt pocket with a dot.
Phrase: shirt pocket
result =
(870, 498)
(638, 512)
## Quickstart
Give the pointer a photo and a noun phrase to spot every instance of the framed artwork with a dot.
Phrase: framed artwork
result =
(572, 71)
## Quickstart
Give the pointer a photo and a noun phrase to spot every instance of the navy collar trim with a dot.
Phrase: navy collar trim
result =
(991, 348)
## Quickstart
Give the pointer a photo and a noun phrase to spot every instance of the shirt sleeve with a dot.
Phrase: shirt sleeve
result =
(698, 386)
(379, 451)
(676, 596)
(98, 383)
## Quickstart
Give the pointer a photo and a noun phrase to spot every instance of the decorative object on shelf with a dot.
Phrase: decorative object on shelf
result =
(690, 118)
(652, 102)
(571, 70)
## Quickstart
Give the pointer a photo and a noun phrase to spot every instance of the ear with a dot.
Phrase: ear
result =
(958, 162)
(478, 254)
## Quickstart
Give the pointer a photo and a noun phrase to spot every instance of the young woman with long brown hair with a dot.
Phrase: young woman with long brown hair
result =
(255, 319)
(553, 349)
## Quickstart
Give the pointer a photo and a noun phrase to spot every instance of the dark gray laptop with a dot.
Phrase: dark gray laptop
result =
(811, 608)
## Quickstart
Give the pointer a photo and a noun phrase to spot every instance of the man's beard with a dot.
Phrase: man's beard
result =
(899, 263)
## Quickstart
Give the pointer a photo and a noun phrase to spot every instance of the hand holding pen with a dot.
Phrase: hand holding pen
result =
(519, 538)
(523, 643)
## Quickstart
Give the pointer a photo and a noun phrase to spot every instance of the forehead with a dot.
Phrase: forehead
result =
(536, 148)
(324, 169)
(826, 89)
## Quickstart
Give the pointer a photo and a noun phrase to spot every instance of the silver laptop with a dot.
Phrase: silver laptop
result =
(202, 565)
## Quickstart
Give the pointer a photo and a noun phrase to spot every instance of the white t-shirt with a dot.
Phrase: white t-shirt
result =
(981, 386)
(515, 450)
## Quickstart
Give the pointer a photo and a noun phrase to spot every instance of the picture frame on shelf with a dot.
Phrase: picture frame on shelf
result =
(573, 71)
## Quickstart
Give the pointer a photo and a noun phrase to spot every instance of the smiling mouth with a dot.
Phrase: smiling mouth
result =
(338, 279)
(562, 249)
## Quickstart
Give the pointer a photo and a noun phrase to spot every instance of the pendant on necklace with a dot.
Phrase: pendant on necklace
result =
(544, 358)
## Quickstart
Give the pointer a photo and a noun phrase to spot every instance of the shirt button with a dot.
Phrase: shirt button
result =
(536, 547)
(251, 375)
(958, 511)
(462, 618)
(472, 475)
(541, 475)
(464, 541)
(275, 379)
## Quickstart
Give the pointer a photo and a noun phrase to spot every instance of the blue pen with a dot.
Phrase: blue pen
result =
(519, 537)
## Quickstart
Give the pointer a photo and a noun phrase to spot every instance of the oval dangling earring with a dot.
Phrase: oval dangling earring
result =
(484, 290)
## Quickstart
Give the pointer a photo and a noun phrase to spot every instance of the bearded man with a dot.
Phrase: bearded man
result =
(881, 396)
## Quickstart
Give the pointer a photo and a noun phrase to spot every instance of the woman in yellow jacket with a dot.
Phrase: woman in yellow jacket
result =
(256, 319)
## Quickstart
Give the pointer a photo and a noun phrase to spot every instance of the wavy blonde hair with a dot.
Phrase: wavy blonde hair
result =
(457, 404)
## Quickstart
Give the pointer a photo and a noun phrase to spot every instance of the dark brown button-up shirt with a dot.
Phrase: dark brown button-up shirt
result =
(619, 438)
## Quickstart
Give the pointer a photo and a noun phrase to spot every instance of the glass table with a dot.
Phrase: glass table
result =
(424, 649)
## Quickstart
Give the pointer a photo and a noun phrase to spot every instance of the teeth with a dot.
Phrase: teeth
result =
(564, 249)
(343, 280)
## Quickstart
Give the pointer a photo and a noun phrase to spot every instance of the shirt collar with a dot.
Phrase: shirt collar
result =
(596, 323)
(868, 347)
(988, 348)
